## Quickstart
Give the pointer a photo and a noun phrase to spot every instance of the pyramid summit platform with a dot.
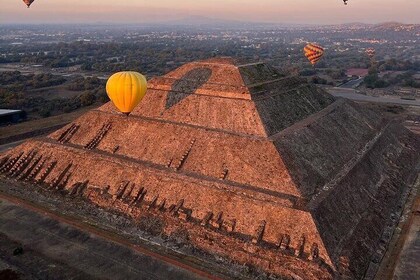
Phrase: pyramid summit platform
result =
(258, 168)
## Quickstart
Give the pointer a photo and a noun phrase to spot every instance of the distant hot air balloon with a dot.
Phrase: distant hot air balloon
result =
(28, 2)
(370, 52)
(313, 52)
(126, 90)
(345, 2)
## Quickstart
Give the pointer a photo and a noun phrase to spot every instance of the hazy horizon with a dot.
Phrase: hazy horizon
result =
(270, 11)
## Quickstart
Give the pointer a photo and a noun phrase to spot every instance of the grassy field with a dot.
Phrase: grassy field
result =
(53, 92)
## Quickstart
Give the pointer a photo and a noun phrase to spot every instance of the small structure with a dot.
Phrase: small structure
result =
(11, 116)
(359, 72)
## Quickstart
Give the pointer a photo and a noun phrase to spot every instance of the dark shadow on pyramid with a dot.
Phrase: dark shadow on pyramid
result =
(187, 85)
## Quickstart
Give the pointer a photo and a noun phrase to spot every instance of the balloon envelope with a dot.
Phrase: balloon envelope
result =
(126, 90)
(28, 2)
(370, 52)
(313, 52)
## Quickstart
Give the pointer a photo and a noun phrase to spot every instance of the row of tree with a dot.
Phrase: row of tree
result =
(16, 81)
(404, 79)
(15, 93)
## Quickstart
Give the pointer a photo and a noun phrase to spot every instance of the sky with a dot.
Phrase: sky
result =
(274, 11)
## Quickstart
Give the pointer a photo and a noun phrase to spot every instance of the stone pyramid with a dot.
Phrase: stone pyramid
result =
(253, 166)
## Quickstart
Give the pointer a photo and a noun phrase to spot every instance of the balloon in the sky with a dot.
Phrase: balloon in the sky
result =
(28, 2)
(313, 52)
(370, 52)
(126, 90)
(345, 2)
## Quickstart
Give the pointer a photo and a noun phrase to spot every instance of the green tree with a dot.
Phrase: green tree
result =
(87, 99)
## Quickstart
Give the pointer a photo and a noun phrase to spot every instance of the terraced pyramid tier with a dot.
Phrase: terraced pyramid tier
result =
(258, 168)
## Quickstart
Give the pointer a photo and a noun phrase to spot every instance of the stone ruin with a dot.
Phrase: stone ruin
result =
(255, 167)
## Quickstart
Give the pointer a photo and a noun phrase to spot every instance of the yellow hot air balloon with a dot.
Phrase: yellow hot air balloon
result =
(313, 52)
(126, 90)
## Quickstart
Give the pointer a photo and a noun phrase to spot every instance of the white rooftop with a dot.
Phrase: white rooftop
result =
(8, 112)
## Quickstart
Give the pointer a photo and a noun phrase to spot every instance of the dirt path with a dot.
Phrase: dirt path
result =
(38, 127)
(407, 266)
(8, 146)
(67, 245)
(402, 260)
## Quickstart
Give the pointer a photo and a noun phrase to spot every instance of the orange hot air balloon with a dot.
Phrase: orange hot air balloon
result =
(126, 90)
(313, 52)
(370, 52)
(28, 2)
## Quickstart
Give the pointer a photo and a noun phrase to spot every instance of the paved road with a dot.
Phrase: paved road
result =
(54, 249)
(352, 95)
(352, 83)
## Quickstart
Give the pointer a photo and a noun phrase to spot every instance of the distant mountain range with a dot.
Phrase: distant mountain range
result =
(206, 21)
(201, 20)
(381, 27)
(396, 26)
(195, 21)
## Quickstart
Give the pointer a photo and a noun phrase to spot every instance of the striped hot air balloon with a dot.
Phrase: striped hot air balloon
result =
(370, 52)
(313, 52)
(28, 2)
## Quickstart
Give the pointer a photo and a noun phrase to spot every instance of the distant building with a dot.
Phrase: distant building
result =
(11, 116)
(360, 72)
